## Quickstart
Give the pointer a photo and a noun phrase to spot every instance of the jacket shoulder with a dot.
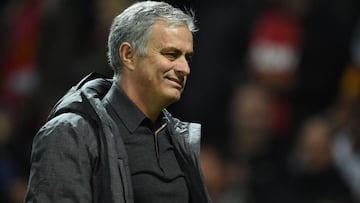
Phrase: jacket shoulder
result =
(93, 86)
(62, 150)
(64, 128)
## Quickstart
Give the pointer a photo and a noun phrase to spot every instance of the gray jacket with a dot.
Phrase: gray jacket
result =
(75, 159)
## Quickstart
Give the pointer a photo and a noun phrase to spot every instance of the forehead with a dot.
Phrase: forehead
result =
(164, 35)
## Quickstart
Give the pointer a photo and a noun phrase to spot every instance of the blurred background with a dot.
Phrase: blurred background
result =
(275, 84)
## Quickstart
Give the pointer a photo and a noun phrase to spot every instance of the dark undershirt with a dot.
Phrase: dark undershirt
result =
(155, 173)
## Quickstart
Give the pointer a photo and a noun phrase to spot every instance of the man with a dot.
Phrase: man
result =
(112, 140)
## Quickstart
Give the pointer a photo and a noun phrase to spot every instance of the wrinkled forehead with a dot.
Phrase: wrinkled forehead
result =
(171, 35)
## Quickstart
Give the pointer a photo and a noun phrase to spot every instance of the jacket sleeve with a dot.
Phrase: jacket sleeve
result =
(61, 161)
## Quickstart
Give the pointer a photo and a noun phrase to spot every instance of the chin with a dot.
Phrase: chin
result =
(171, 95)
(174, 98)
(171, 98)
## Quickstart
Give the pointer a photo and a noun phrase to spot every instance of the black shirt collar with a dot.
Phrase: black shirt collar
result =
(124, 108)
(127, 111)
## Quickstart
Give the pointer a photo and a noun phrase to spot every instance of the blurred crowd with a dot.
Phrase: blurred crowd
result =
(275, 84)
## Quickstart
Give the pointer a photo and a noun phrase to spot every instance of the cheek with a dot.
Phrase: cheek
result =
(154, 71)
(154, 75)
(165, 67)
(161, 70)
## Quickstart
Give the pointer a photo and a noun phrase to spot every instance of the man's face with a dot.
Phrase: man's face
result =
(162, 73)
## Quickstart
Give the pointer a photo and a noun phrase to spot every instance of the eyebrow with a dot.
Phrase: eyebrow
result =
(176, 51)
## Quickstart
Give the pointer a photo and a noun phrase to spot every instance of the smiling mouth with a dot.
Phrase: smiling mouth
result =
(180, 83)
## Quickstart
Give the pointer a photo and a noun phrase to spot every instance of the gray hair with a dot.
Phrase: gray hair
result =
(133, 26)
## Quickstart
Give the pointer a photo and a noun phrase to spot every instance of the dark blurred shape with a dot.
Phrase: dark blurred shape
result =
(314, 176)
(346, 144)
(214, 171)
(251, 121)
(345, 116)
(255, 154)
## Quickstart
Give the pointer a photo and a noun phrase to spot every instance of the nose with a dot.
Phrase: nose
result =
(182, 66)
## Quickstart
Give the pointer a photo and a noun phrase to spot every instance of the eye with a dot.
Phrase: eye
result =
(171, 56)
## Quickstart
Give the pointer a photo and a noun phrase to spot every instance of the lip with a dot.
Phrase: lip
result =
(175, 80)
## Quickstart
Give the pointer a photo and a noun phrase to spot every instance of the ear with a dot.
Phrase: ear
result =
(127, 55)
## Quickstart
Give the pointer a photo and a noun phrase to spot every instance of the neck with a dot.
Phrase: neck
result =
(148, 106)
